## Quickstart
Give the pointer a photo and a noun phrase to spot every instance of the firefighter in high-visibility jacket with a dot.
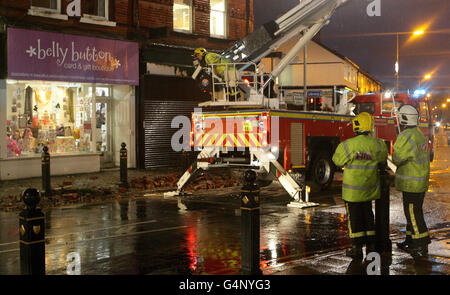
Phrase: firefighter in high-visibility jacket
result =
(228, 74)
(412, 157)
(360, 157)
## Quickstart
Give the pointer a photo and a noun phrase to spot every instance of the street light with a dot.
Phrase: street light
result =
(397, 66)
(426, 77)
(444, 105)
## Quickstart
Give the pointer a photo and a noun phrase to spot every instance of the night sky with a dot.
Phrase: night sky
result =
(429, 53)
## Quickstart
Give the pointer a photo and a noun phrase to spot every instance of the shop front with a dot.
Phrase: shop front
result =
(73, 94)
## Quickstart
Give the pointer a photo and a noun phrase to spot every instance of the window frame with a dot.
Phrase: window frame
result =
(56, 10)
(98, 20)
(225, 24)
(365, 104)
(396, 105)
(191, 19)
(48, 12)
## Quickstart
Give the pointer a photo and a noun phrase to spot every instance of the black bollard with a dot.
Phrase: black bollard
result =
(32, 235)
(46, 185)
(250, 225)
(123, 166)
(383, 243)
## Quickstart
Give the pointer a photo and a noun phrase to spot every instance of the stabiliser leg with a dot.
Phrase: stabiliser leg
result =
(191, 172)
(272, 166)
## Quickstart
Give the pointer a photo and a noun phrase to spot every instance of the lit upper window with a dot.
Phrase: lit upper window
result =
(218, 18)
(182, 15)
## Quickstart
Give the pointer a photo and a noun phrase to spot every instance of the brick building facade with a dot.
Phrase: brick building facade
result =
(127, 17)
(165, 88)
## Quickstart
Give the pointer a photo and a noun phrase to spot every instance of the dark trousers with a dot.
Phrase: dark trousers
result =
(361, 224)
(416, 228)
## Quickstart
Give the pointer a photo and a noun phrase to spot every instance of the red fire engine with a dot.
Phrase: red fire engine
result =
(259, 132)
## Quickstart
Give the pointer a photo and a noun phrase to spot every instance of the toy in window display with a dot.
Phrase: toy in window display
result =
(51, 140)
(35, 117)
(13, 147)
(45, 118)
(28, 141)
(60, 131)
(76, 133)
(85, 143)
(22, 121)
(8, 128)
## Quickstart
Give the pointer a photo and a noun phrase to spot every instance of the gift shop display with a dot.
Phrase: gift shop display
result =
(45, 113)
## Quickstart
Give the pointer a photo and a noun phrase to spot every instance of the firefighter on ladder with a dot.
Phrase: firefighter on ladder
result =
(360, 157)
(228, 74)
(412, 157)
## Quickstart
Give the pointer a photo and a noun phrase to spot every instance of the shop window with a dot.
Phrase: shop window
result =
(58, 115)
(182, 15)
(218, 18)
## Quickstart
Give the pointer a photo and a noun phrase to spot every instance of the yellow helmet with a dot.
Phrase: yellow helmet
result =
(363, 122)
(201, 51)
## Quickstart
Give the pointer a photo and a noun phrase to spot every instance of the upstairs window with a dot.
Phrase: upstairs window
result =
(46, 4)
(47, 8)
(96, 12)
(182, 15)
(218, 18)
(96, 8)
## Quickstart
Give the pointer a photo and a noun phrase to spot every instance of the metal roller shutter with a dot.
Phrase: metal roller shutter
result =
(158, 115)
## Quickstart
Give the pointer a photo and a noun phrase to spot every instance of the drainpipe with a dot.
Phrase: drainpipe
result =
(247, 13)
(136, 14)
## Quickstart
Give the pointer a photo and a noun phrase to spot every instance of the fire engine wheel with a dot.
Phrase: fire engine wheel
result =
(323, 170)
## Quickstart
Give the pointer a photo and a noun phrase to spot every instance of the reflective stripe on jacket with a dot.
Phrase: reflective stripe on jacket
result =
(214, 58)
(360, 156)
(412, 157)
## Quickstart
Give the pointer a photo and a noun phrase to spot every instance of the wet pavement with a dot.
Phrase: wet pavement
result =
(149, 234)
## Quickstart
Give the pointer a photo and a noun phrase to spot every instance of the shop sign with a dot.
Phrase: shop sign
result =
(314, 93)
(36, 55)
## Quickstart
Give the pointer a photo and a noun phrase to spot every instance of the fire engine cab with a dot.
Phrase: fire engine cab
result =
(255, 130)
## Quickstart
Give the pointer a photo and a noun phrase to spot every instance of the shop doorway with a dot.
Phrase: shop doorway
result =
(103, 118)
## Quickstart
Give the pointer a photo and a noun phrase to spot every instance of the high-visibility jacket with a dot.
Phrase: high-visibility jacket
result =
(360, 157)
(214, 58)
(412, 157)
(224, 72)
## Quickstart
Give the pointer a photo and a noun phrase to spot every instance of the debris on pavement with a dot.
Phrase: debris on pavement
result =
(104, 187)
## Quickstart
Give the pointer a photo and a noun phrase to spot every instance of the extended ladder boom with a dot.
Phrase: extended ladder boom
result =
(309, 15)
